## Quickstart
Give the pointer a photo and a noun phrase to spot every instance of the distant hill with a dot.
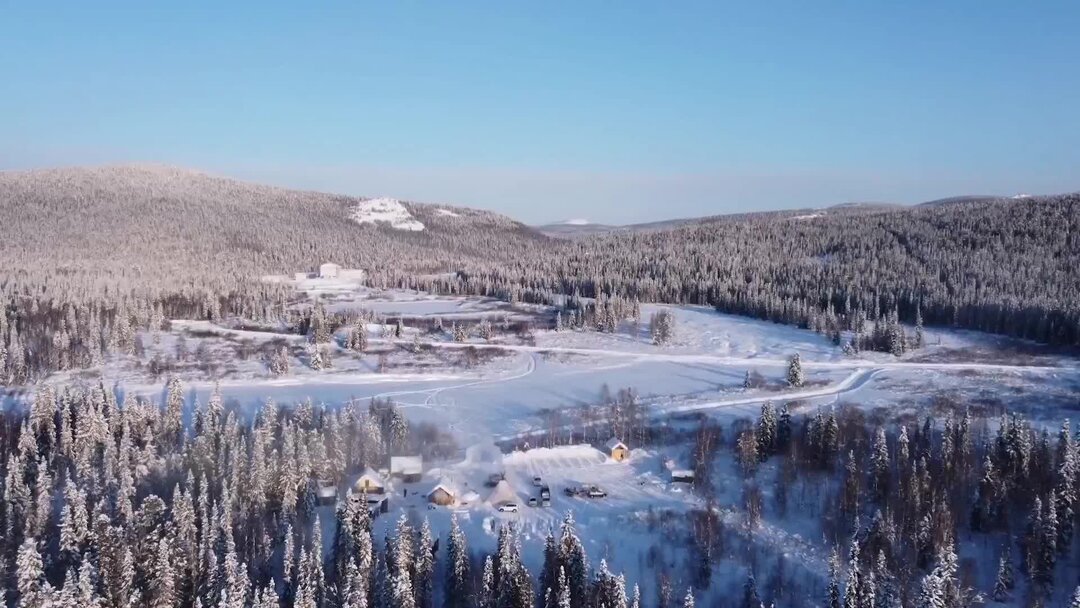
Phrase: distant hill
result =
(165, 222)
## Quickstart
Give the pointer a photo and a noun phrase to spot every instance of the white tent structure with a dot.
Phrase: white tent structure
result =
(502, 494)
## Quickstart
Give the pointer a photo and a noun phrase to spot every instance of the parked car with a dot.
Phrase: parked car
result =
(533, 502)
(508, 508)
(570, 491)
(545, 493)
(595, 492)
(545, 502)
(537, 482)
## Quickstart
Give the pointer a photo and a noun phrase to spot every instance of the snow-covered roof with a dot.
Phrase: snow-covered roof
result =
(502, 494)
(327, 491)
(615, 443)
(406, 465)
(371, 477)
(682, 473)
(445, 486)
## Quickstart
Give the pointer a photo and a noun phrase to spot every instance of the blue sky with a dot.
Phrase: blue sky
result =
(615, 111)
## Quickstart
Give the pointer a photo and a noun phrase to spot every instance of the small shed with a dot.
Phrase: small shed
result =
(329, 270)
(370, 482)
(617, 449)
(301, 276)
(408, 468)
(326, 494)
(682, 476)
(442, 494)
(502, 494)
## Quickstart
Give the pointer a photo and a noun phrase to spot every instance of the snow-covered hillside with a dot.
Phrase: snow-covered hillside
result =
(386, 210)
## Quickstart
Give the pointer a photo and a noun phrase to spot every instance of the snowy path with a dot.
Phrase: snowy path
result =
(717, 360)
(852, 382)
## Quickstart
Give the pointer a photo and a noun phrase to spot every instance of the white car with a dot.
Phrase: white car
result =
(537, 482)
(508, 508)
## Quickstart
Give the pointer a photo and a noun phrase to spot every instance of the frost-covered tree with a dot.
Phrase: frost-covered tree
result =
(662, 327)
(795, 375)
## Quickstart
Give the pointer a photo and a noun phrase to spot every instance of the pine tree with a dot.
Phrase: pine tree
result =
(30, 576)
(750, 593)
(879, 467)
(564, 590)
(853, 589)
(795, 375)
(887, 596)
(487, 585)
(918, 327)
(833, 597)
(1075, 601)
(425, 568)
(572, 557)
(688, 600)
(457, 572)
(767, 431)
(784, 430)
(1001, 584)
(173, 424)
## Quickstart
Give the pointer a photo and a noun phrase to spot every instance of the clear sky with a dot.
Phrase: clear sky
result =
(616, 111)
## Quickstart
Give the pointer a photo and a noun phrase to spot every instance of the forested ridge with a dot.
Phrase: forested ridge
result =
(89, 253)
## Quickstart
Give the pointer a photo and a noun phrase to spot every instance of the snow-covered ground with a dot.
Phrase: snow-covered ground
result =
(386, 210)
(506, 396)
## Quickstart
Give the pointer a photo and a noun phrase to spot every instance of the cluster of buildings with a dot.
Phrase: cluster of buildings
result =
(484, 459)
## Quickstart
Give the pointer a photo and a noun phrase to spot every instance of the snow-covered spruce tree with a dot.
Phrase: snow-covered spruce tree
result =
(1003, 581)
(784, 430)
(767, 431)
(795, 375)
(573, 560)
(459, 332)
(457, 593)
(879, 467)
(750, 597)
(853, 590)
(833, 596)
(33, 590)
(662, 327)
(688, 599)
(425, 567)
(315, 357)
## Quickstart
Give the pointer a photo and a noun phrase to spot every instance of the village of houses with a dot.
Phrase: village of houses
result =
(510, 485)
(538, 485)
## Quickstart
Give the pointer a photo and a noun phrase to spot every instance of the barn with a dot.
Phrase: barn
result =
(617, 449)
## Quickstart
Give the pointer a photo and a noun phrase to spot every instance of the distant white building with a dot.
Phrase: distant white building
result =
(301, 276)
(329, 270)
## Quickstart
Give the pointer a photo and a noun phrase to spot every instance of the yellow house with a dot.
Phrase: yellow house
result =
(617, 449)
(370, 483)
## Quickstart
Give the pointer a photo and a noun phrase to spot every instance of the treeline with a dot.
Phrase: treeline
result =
(908, 497)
